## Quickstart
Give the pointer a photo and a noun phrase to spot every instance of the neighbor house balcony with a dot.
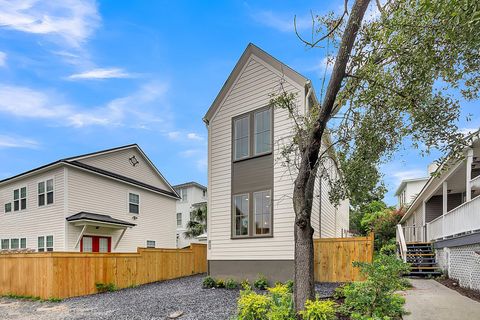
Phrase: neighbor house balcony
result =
(461, 220)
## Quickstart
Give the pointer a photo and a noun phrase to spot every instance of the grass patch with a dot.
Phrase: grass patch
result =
(105, 287)
(29, 298)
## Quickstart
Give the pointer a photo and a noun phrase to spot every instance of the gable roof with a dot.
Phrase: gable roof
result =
(404, 183)
(73, 161)
(82, 216)
(190, 184)
(249, 51)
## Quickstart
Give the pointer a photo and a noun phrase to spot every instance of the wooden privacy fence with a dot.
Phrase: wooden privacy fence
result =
(334, 258)
(70, 274)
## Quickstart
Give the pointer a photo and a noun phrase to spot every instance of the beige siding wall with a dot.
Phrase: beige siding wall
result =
(92, 193)
(251, 91)
(34, 221)
(118, 162)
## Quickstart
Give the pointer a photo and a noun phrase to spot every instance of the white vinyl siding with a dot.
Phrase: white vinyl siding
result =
(35, 220)
(250, 92)
(118, 162)
(156, 221)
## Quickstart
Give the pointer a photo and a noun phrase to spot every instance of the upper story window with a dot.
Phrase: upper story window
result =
(184, 195)
(8, 207)
(242, 137)
(252, 134)
(20, 199)
(204, 194)
(133, 203)
(262, 134)
(179, 219)
(45, 192)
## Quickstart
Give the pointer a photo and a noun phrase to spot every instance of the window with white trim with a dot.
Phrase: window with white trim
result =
(23, 243)
(14, 244)
(262, 212)
(45, 192)
(45, 243)
(241, 135)
(262, 134)
(184, 194)
(20, 199)
(5, 244)
(241, 219)
(150, 244)
(8, 207)
(133, 203)
(179, 219)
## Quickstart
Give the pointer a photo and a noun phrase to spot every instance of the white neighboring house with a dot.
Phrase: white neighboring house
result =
(251, 216)
(108, 201)
(192, 195)
(408, 190)
(447, 213)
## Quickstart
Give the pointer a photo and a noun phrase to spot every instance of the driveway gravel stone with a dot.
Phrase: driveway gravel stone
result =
(151, 301)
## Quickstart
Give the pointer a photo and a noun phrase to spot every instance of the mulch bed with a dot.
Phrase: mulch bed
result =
(454, 285)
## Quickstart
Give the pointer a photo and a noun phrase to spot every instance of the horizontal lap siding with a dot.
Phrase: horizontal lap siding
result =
(34, 221)
(92, 193)
(251, 91)
(118, 162)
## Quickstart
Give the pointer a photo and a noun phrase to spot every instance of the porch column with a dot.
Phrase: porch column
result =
(424, 216)
(469, 175)
(445, 204)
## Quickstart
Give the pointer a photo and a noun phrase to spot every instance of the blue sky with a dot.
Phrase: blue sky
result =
(80, 76)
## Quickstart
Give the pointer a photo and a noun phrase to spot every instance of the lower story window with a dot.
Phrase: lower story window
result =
(150, 244)
(5, 244)
(252, 214)
(241, 218)
(262, 212)
(45, 243)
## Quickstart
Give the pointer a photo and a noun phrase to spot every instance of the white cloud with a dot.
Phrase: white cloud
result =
(189, 153)
(101, 73)
(174, 135)
(132, 110)
(17, 142)
(280, 22)
(3, 59)
(194, 136)
(72, 21)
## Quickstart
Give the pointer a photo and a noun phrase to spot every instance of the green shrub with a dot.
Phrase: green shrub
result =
(375, 298)
(105, 287)
(390, 248)
(289, 285)
(208, 282)
(281, 303)
(261, 282)
(231, 284)
(319, 310)
(253, 306)
(220, 283)
(245, 285)
(338, 293)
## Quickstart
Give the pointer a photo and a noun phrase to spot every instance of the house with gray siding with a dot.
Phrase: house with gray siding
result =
(250, 210)
(108, 201)
(446, 215)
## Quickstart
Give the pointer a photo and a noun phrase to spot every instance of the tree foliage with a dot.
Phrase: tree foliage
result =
(198, 222)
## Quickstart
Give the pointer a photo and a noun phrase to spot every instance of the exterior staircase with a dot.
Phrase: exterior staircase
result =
(422, 259)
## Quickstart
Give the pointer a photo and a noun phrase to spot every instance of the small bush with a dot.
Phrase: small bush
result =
(281, 307)
(375, 298)
(390, 248)
(220, 283)
(261, 282)
(208, 282)
(231, 284)
(105, 287)
(338, 293)
(253, 306)
(319, 310)
(289, 285)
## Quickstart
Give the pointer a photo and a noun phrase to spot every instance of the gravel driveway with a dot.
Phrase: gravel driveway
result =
(150, 301)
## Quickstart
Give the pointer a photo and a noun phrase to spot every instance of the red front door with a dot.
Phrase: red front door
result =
(95, 244)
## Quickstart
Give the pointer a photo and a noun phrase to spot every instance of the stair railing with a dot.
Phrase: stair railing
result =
(402, 244)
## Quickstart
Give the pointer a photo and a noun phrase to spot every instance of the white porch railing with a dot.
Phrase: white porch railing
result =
(463, 218)
(475, 182)
(413, 233)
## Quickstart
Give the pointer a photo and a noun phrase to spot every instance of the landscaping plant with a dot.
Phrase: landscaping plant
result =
(375, 298)
(319, 310)
(105, 287)
(261, 282)
(220, 283)
(231, 284)
(208, 282)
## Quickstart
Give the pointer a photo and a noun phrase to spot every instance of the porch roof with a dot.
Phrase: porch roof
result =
(87, 217)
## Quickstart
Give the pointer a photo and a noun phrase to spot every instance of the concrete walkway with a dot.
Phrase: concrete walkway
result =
(430, 300)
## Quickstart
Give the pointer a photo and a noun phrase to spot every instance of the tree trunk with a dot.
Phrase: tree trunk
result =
(304, 183)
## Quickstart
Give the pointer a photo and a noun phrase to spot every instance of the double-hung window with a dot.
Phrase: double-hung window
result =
(45, 243)
(184, 195)
(5, 244)
(45, 192)
(20, 199)
(150, 244)
(241, 218)
(179, 219)
(263, 133)
(133, 203)
(8, 207)
(242, 137)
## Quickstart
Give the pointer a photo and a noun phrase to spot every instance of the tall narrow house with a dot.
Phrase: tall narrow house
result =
(251, 216)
